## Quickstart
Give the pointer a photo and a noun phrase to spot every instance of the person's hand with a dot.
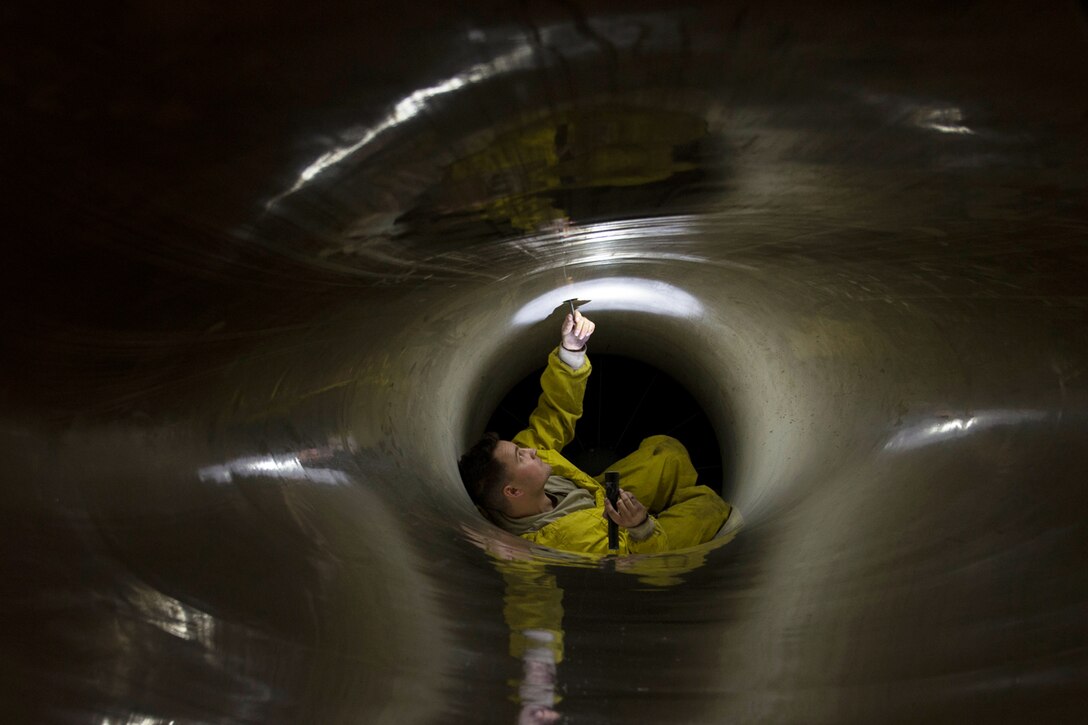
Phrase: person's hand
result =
(628, 511)
(576, 331)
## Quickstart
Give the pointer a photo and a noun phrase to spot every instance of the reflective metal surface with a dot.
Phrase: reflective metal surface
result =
(270, 270)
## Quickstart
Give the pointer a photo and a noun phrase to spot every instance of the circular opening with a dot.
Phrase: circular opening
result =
(626, 400)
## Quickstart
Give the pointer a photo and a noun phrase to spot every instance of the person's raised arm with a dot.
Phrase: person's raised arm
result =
(551, 426)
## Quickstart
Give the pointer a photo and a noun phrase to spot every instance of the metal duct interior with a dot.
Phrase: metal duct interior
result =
(270, 270)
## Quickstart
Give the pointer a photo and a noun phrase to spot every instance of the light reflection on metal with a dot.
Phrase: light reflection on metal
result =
(941, 118)
(945, 120)
(135, 720)
(173, 617)
(607, 243)
(411, 106)
(945, 428)
(628, 294)
(626, 231)
(570, 37)
(286, 466)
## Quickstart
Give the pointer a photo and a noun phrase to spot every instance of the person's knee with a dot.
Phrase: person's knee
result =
(662, 445)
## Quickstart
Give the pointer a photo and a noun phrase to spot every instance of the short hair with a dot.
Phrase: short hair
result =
(482, 473)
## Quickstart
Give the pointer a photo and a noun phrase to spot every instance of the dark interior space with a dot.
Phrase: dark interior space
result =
(626, 400)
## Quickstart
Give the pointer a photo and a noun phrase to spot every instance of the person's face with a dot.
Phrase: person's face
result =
(522, 467)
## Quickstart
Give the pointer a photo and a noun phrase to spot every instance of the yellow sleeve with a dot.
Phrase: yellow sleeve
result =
(533, 602)
(656, 543)
(551, 426)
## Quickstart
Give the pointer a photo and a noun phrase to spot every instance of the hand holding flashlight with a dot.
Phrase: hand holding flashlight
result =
(625, 510)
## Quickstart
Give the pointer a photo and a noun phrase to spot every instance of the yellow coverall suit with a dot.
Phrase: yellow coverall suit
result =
(660, 475)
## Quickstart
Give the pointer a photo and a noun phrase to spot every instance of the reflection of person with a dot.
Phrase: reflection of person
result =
(528, 488)
(533, 609)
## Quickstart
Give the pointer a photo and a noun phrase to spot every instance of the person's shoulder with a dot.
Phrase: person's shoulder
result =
(581, 479)
(550, 534)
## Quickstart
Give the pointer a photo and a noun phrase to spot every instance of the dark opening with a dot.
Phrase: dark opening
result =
(626, 401)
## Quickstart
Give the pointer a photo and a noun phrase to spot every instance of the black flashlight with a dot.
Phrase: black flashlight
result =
(612, 491)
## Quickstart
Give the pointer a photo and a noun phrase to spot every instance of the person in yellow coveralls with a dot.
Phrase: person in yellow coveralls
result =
(528, 488)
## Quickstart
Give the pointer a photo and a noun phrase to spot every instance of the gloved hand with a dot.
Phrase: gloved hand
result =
(576, 331)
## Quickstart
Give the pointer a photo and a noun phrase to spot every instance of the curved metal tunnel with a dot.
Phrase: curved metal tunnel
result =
(270, 273)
